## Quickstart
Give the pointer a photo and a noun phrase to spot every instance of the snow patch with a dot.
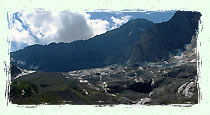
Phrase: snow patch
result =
(100, 101)
(85, 91)
(130, 33)
(153, 82)
(187, 89)
(139, 80)
(194, 60)
(83, 81)
(24, 72)
(144, 100)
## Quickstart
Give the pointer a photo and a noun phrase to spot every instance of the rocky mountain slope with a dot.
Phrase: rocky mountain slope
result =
(157, 42)
(136, 41)
(159, 67)
(165, 82)
(109, 48)
(150, 83)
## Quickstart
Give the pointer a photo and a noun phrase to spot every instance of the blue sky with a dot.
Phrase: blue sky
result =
(44, 27)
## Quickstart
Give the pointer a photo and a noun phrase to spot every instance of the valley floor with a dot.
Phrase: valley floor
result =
(150, 83)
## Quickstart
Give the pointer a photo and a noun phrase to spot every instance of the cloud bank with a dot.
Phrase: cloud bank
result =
(44, 27)
(119, 21)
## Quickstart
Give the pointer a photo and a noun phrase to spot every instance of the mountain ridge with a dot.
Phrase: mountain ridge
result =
(98, 51)
(137, 41)
(156, 42)
(157, 79)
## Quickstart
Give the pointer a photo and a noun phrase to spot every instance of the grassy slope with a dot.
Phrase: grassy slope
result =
(54, 88)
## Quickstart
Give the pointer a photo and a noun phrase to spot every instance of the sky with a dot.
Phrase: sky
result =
(45, 27)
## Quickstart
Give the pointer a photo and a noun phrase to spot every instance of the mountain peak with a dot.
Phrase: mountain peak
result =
(189, 14)
(138, 40)
(138, 23)
(111, 47)
(188, 17)
(155, 42)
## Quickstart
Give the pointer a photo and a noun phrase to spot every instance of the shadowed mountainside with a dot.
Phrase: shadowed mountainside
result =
(157, 42)
(109, 48)
(138, 63)
(136, 41)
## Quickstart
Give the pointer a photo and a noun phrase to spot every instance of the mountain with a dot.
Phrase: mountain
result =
(167, 82)
(109, 48)
(129, 65)
(156, 42)
(137, 41)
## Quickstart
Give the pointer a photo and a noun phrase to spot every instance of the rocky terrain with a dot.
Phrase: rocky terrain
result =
(160, 67)
(166, 82)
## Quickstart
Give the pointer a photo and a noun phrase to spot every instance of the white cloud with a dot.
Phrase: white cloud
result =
(21, 36)
(56, 27)
(119, 21)
(98, 26)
